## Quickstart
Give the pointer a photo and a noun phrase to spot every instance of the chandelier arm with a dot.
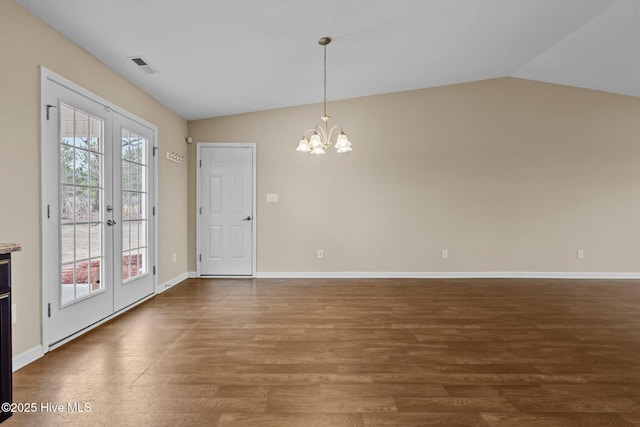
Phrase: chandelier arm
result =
(323, 135)
(318, 129)
(309, 132)
(333, 130)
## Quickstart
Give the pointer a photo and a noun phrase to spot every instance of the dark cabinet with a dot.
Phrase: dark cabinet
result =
(5, 333)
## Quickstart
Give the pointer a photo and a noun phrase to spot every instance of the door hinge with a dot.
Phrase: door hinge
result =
(200, 210)
(49, 106)
(154, 270)
(49, 310)
(200, 257)
(154, 211)
(154, 151)
(48, 211)
(200, 163)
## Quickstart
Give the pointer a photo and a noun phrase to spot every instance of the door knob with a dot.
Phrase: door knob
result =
(247, 218)
(111, 222)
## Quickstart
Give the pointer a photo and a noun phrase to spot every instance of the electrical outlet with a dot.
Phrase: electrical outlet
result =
(320, 254)
(580, 254)
(14, 314)
(272, 197)
(175, 258)
(445, 253)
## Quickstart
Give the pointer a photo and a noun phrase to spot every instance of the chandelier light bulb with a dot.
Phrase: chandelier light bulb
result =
(315, 141)
(342, 144)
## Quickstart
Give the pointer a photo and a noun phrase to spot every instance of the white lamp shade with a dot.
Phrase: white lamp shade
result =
(315, 141)
(303, 145)
(342, 142)
(317, 150)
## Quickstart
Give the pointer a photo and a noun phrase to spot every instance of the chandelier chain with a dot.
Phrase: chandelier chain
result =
(325, 80)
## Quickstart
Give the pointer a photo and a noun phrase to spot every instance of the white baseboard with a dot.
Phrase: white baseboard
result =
(193, 275)
(23, 359)
(171, 283)
(445, 275)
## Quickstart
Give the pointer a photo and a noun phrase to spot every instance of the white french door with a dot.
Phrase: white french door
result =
(226, 214)
(77, 149)
(97, 191)
(133, 233)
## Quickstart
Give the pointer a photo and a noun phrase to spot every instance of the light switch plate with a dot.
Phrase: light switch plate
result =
(272, 197)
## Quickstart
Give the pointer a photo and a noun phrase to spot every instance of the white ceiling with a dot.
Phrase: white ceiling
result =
(221, 57)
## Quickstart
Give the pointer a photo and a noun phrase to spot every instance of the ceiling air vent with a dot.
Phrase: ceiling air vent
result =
(143, 64)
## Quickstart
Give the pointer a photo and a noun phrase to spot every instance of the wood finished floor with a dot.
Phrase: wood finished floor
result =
(354, 353)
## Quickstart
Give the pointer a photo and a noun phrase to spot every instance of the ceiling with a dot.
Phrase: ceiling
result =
(221, 57)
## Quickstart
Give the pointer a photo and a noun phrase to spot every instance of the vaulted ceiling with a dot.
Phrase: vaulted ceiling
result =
(221, 57)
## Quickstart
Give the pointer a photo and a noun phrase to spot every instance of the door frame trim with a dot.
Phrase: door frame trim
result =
(254, 225)
(45, 171)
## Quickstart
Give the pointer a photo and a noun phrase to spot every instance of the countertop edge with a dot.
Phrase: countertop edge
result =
(6, 248)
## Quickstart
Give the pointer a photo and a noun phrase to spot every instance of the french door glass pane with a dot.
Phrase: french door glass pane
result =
(134, 180)
(81, 232)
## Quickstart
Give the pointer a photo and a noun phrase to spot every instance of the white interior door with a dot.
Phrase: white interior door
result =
(97, 190)
(227, 210)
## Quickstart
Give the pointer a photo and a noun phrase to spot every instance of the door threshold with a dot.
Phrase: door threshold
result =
(83, 331)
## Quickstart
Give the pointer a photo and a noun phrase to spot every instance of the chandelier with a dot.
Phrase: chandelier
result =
(316, 140)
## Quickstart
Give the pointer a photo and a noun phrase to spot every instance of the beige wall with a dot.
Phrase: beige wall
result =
(509, 175)
(26, 43)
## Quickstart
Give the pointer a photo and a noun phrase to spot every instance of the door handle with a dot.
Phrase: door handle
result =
(247, 218)
(111, 222)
